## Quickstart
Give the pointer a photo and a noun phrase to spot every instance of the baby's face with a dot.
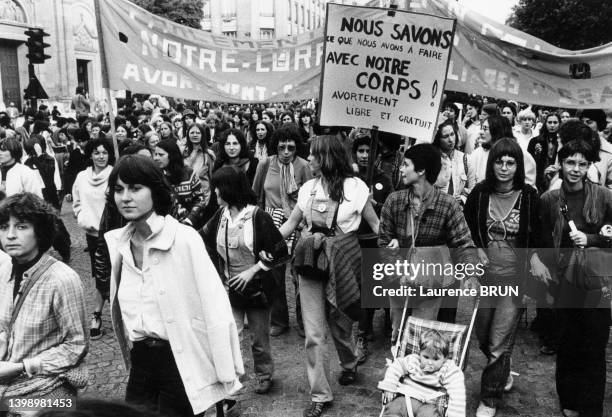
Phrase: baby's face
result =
(430, 362)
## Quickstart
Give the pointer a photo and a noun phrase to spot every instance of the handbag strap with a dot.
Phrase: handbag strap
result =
(334, 223)
(29, 284)
(227, 258)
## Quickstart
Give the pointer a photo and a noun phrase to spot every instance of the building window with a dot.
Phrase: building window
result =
(231, 33)
(289, 10)
(206, 10)
(228, 9)
(266, 8)
(302, 17)
(295, 15)
(266, 34)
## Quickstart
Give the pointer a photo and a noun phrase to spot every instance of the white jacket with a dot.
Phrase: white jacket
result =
(22, 179)
(194, 306)
(89, 198)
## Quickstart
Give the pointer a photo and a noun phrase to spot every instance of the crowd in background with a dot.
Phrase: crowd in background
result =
(253, 186)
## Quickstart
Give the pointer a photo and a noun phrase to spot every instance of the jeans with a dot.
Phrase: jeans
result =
(316, 322)
(398, 408)
(280, 311)
(155, 382)
(496, 325)
(581, 359)
(259, 327)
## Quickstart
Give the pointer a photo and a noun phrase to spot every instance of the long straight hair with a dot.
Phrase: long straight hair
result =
(176, 165)
(203, 142)
(335, 163)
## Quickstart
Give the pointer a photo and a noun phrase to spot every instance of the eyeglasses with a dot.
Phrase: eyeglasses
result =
(570, 163)
(290, 148)
(509, 164)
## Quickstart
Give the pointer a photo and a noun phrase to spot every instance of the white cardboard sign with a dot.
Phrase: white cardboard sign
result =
(384, 71)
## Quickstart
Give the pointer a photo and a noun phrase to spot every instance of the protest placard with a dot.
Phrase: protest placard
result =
(150, 55)
(385, 71)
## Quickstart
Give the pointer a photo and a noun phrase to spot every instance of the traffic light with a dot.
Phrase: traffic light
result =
(36, 46)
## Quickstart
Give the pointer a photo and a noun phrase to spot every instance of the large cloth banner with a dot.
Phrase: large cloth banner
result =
(148, 54)
(384, 71)
(495, 60)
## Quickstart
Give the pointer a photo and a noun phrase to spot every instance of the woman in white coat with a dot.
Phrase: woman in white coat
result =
(16, 177)
(170, 312)
(88, 198)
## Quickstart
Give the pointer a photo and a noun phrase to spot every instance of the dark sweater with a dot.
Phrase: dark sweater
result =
(266, 237)
(476, 212)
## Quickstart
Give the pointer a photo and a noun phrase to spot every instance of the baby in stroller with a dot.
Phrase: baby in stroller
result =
(422, 378)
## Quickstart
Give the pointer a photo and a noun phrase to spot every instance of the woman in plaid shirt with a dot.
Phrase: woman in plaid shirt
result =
(43, 325)
(437, 218)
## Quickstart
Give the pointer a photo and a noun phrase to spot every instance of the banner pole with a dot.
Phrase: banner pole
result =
(105, 78)
(373, 152)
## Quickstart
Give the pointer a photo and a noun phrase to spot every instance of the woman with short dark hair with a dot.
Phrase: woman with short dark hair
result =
(583, 303)
(276, 184)
(16, 177)
(167, 280)
(43, 324)
(235, 236)
(88, 197)
(403, 225)
(39, 160)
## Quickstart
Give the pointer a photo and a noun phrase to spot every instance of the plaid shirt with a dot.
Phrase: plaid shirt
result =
(50, 334)
(441, 223)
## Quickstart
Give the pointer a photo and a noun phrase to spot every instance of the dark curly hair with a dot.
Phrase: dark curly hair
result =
(286, 132)
(93, 144)
(31, 208)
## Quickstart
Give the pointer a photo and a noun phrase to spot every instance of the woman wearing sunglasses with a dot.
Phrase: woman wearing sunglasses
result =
(276, 185)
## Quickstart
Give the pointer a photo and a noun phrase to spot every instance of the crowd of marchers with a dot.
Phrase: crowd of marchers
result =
(194, 227)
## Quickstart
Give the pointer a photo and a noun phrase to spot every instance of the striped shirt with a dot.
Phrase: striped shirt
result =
(425, 387)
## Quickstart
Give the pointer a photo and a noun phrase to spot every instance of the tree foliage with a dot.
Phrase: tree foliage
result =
(568, 24)
(185, 12)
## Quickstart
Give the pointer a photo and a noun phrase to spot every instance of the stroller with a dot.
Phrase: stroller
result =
(408, 342)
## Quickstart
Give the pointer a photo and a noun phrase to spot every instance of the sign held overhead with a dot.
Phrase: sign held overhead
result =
(384, 71)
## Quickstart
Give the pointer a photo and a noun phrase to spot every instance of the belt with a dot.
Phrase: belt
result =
(151, 342)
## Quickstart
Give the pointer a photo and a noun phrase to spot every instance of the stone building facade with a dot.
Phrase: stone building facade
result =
(74, 49)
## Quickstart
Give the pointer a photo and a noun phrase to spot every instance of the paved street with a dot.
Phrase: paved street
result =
(534, 393)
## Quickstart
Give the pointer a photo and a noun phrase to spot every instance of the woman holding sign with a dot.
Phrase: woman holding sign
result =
(332, 205)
